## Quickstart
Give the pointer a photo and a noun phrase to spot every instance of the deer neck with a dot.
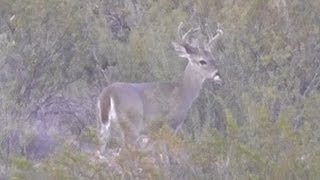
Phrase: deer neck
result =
(191, 84)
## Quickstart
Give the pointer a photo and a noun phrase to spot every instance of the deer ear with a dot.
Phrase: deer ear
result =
(181, 50)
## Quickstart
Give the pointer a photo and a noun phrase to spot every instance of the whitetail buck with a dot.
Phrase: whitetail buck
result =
(135, 106)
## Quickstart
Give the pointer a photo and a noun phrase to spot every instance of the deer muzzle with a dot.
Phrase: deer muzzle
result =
(216, 77)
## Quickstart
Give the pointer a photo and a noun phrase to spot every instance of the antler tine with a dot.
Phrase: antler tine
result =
(184, 37)
(190, 31)
(219, 32)
(179, 29)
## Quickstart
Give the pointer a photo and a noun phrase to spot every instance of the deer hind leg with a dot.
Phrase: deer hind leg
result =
(104, 135)
(107, 114)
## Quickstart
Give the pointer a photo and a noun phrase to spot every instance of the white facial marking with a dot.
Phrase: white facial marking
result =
(213, 75)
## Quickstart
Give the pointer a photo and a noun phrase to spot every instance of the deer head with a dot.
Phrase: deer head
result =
(199, 54)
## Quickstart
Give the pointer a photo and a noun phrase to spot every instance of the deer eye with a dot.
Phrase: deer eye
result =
(202, 62)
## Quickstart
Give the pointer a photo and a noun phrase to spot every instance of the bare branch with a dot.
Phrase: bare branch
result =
(95, 58)
(313, 82)
(179, 29)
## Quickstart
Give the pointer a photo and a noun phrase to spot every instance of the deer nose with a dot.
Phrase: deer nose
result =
(217, 79)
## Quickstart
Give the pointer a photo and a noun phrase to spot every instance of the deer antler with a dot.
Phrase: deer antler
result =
(179, 29)
(184, 38)
(219, 33)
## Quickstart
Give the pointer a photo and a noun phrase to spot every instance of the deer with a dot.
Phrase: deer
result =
(134, 106)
